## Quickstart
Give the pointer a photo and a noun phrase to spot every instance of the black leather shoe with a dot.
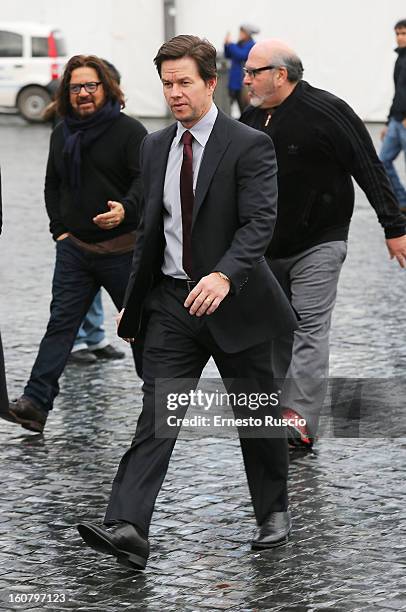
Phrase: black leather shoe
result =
(274, 531)
(82, 357)
(108, 352)
(27, 414)
(121, 540)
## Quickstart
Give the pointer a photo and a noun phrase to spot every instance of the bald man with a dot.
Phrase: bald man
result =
(320, 144)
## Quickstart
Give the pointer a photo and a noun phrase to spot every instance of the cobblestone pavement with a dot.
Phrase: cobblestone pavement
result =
(347, 549)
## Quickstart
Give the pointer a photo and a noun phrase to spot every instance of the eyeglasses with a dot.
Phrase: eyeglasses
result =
(90, 87)
(252, 72)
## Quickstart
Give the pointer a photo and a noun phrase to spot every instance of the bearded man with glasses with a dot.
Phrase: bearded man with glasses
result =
(93, 198)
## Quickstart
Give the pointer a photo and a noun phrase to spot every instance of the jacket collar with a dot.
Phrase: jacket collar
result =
(215, 148)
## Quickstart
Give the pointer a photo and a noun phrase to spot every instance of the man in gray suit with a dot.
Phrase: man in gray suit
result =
(200, 287)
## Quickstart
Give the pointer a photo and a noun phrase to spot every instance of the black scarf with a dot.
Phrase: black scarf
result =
(80, 134)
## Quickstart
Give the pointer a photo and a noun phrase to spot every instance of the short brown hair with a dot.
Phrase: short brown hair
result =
(111, 87)
(185, 45)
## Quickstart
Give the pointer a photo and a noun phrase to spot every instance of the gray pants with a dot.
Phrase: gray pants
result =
(310, 280)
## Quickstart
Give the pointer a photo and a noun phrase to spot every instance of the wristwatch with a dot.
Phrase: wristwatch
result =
(223, 276)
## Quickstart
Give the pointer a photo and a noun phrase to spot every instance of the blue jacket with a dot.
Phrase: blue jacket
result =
(238, 53)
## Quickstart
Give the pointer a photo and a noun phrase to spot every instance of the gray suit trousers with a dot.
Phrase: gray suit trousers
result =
(310, 281)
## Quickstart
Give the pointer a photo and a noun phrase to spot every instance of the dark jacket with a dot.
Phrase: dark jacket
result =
(1, 207)
(3, 386)
(233, 218)
(398, 108)
(320, 143)
(238, 53)
(109, 171)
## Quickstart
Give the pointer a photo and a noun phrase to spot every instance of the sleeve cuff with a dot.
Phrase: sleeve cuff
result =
(395, 232)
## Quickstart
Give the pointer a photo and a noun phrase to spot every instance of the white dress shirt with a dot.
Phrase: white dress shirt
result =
(172, 265)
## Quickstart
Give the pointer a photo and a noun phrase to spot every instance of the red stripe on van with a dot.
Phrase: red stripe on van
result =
(52, 51)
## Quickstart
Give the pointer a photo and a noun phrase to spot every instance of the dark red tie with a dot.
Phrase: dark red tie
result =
(186, 200)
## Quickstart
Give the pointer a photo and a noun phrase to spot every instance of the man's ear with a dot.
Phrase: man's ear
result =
(282, 75)
(212, 83)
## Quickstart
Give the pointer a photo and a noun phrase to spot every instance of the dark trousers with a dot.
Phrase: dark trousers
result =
(3, 386)
(240, 96)
(177, 347)
(78, 276)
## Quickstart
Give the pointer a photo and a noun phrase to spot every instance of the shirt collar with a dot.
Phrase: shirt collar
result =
(201, 130)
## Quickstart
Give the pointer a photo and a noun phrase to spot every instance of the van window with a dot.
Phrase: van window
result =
(60, 43)
(39, 46)
(11, 44)
(51, 46)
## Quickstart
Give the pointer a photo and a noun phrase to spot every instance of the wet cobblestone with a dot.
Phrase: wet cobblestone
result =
(347, 551)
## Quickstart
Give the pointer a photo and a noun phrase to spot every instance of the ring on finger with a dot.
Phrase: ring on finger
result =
(208, 299)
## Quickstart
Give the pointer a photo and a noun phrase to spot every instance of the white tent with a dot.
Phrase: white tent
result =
(346, 47)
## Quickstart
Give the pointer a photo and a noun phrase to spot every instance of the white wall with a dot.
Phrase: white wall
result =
(126, 32)
(346, 46)
(138, 32)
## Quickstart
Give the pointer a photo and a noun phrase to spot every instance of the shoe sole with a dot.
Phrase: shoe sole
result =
(7, 417)
(96, 541)
(295, 438)
(27, 424)
(281, 542)
(77, 362)
(100, 357)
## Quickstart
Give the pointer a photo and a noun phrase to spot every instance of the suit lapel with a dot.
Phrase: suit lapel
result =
(213, 152)
(159, 157)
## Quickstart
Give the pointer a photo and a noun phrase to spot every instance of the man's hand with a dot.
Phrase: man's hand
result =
(397, 248)
(208, 294)
(111, 219)
(404, 123)
(227, 39)
(118, 319)
(63, 236)
(383, 132)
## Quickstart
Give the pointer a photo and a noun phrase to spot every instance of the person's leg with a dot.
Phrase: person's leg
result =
(314, 277)
(402, 135)
(265, 451)
(3, 385)
(98, 344)
(80, 340)
(281, 351)
(112, 272)
(242, 99)
(91, 333)
(173, 360)
(393, 143)
(73, 289)
(94, 324)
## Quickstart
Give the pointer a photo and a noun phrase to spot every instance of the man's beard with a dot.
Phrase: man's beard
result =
(256, 101)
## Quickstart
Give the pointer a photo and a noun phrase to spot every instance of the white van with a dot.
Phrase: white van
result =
(32, 57)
